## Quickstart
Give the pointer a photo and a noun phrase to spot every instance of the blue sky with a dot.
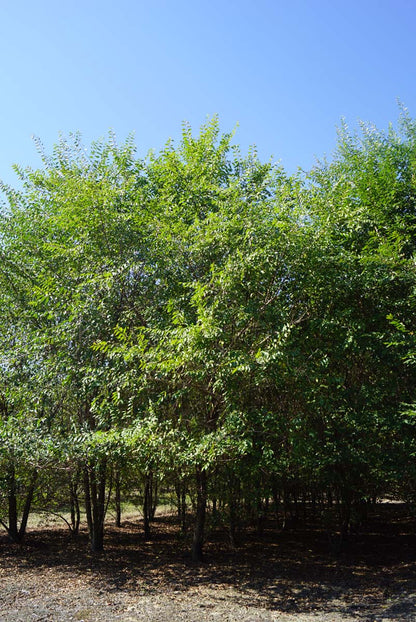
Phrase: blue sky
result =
(285, 71)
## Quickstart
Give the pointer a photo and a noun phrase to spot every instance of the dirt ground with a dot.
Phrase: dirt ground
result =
(281, 576)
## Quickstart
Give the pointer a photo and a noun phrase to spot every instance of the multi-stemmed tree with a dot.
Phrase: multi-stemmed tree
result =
(202, 319)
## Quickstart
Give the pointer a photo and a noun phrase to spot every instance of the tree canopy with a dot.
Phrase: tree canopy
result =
(200, 321)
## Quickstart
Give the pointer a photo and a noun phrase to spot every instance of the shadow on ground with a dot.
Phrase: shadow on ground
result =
(292, 571)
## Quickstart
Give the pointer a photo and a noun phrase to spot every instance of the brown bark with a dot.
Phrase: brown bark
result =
(118, 498)
(201, 506)
(147, 506)
(15, 532)
(94, 489)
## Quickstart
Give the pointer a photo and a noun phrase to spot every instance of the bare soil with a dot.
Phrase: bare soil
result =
(284, 576)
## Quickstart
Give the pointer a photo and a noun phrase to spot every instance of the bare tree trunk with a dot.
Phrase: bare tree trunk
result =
(276, 502)
(201, 506)
(180, 488)
(232, 522)
(12, 528)
(183, 509)
(87, 493)
(27, 505)
(16, 533)
(147, 506)
(118, 498)
(94, 488)
(153, 497)
(74, 502)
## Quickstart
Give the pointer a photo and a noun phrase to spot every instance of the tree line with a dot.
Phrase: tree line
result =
(200, 322)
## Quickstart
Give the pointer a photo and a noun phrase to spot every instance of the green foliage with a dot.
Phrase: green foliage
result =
(202, 312)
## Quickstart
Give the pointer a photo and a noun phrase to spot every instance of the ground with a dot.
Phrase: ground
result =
(279, 576)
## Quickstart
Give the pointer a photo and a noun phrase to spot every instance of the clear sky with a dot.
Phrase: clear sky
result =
(285, 70)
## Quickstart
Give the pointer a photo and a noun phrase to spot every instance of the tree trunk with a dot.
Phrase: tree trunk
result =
(74, 503)
(201, 506)
(147, 506)
(232, 523)
(12, 528)
(94, 488)
(153, 497)
(259, 517)
(276, 502)
(16, 533)
(27, 505)
(118, 498)
(180, 488)
(183, 509)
